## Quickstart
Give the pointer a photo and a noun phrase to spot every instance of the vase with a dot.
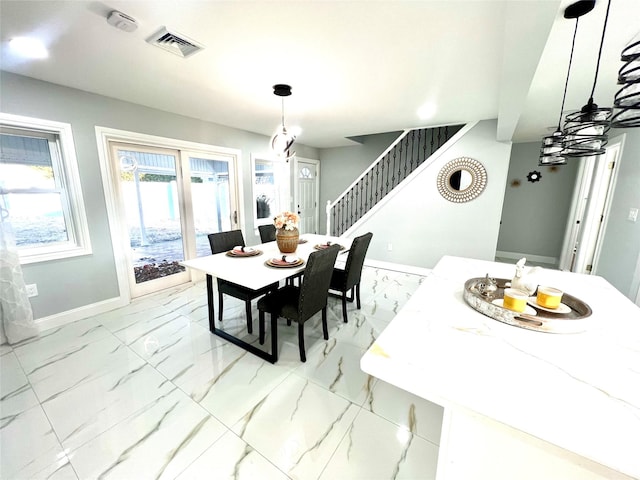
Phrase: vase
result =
(287, 240)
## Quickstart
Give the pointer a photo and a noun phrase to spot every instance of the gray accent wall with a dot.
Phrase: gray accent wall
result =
(620, 254)
(421, 226)
(340, 167)
(68, 284)
(534, 216)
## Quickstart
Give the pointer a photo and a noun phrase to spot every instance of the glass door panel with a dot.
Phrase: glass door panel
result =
(213, 204)
(150, 200)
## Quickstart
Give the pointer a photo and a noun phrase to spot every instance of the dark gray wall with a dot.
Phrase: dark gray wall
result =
(534, 216)
(68, 284)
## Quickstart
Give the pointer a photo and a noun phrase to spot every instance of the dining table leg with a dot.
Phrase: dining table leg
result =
(212, 322)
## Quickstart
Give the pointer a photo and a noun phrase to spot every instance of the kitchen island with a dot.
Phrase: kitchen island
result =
(519, 404)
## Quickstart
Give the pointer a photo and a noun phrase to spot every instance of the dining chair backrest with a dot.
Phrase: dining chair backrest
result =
(225, 241)
(355, 260)
(267, 233)
(314, 290)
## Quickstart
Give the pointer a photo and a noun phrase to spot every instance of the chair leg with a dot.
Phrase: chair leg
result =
(247, 306)
(344, 306)
(358, 296)
(325, 330)
(303, 356)
(220, 307)
(261, 327)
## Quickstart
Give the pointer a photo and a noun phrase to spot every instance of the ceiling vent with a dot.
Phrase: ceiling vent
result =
(175, 43)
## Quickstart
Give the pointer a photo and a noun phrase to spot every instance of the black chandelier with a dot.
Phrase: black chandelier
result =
(586, 131)
(282, 141)
(552, 149)
(626, 104)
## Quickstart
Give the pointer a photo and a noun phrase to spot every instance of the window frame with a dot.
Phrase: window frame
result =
(65, 164)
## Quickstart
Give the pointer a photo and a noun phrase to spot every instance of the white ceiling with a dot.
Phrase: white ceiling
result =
(356, 67)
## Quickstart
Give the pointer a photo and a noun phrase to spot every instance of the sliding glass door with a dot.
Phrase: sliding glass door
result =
(169, 201)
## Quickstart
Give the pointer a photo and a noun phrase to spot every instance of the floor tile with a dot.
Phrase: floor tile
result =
(83, 412)
(375, 449)
(29, 444)
(337, 369)
(231, 458)
(157, 442)
(298, 426)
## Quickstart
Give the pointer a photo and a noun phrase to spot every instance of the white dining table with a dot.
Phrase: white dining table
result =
(253, 272)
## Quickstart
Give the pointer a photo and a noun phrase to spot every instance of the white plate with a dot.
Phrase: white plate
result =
(528, 310)
(562, 308)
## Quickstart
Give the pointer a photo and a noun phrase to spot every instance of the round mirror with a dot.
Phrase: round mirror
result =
(462, 179)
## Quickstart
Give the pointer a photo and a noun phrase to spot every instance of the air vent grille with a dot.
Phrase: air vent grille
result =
(174, 42)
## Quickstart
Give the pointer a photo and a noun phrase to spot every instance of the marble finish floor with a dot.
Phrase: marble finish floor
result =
(146, 392)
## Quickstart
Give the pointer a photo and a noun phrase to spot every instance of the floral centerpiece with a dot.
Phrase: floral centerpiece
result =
(287, 220)
(287, 234)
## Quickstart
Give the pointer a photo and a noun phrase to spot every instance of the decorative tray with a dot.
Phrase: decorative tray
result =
(574, 321)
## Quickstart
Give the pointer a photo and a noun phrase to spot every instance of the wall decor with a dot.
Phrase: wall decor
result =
(534, 176)
(462, 179)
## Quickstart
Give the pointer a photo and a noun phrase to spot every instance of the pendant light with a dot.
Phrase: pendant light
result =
(281, 141)
(626, 104)
(586, 131)
(552, 149)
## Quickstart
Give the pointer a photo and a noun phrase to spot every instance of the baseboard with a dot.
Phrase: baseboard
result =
(69, 316)
(398, 267)
(528, 256)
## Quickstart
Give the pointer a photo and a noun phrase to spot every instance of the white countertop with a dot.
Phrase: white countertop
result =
(252, 272)
(578, 391)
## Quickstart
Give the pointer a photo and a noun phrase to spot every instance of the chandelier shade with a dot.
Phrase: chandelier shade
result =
(552, 150)
(626, 104)
(282, 141)
(587, 131)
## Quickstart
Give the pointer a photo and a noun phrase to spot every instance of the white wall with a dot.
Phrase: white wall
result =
(422, 226)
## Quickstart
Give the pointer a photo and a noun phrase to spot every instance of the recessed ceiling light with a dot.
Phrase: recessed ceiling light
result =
(427, 110)
(28, 47)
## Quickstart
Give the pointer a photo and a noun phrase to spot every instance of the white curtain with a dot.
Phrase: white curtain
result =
(15, 309)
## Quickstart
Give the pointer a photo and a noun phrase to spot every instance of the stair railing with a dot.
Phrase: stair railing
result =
(396, 163)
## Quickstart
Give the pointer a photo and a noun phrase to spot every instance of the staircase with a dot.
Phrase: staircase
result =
(402, 157)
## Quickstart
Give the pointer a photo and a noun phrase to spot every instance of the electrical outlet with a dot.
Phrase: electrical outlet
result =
(633, 214)
(32, 290)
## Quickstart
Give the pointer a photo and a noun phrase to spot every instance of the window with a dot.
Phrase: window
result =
(270, 189)
(40, 188)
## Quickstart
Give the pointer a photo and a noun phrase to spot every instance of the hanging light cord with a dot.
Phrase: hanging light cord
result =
(282, 98)
(604, 29)
(566, 83)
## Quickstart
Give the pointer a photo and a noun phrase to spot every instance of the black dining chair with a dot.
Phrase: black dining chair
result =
(267, 233)
(299, 304)
(223, 242)
(348, 279)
